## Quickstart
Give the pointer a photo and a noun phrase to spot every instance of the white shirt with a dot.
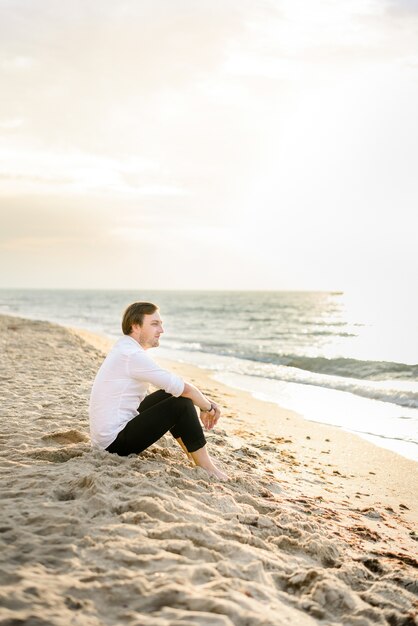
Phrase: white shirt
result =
(120, 386)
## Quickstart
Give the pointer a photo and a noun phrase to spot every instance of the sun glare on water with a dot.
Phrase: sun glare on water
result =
(384, 324)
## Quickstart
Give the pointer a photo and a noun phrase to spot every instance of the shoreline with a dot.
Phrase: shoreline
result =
(401, 446)
(315, 527)
(369, 466)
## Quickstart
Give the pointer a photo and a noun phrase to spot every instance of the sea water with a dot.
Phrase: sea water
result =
(334, 358)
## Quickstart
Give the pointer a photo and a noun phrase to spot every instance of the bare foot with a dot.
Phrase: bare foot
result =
(215, 471)
(202, 459)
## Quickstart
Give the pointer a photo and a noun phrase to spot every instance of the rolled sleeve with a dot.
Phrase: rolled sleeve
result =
(176, 385)
(143, 368)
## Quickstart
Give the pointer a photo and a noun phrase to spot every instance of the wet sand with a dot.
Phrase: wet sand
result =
(315, 526)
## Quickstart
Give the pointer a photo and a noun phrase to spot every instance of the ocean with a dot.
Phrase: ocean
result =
(334, 358)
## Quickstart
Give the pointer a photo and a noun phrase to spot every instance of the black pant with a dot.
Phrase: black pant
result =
(159, 413)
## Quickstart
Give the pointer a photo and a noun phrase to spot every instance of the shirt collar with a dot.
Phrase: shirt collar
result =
(135, 342)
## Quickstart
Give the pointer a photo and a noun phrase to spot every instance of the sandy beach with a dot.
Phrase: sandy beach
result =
(315, 526)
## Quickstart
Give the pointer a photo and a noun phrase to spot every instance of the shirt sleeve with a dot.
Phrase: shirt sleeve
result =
(143, 368)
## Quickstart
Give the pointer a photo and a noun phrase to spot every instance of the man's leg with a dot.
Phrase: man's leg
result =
(202, 459)
(154, 398)
(187, 430)
(153, 422)
(183, 447)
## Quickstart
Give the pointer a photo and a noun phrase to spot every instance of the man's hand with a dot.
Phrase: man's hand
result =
(210, 418)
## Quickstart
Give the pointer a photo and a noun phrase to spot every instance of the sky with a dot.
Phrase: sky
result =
(209, 144)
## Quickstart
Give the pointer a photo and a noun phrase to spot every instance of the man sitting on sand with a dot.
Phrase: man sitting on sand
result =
(124, 419)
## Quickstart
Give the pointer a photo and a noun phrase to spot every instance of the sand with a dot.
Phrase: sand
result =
(315, 526)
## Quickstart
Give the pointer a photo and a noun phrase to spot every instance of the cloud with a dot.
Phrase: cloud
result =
(49, 218)
(135, 81)
(402, 6)
(17, 63)
(76, 172)
(148, 126)
(11, 124)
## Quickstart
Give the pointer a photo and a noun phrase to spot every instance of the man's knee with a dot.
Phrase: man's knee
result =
(183, 402)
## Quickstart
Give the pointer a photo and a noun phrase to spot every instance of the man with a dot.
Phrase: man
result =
(124, 419)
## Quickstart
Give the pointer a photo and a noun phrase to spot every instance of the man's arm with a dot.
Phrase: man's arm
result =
(197, 397)
(209, 410)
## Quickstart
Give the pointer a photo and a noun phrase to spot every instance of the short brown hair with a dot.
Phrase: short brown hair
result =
(134, 314)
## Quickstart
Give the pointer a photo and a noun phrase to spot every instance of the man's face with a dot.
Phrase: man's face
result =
(150, 331)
